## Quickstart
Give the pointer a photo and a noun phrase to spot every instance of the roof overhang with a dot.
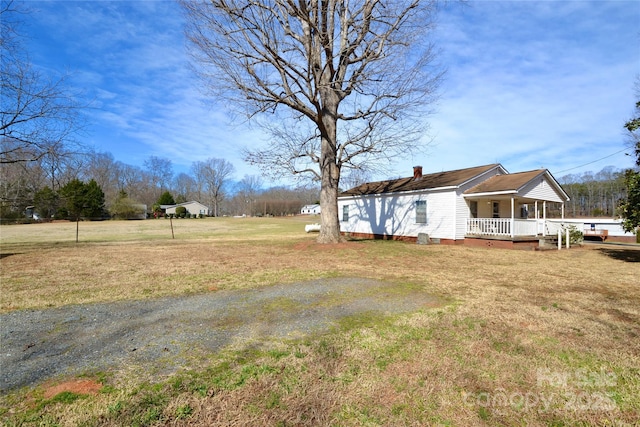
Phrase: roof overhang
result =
(490, 193)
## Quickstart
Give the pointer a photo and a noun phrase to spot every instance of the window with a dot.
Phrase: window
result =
(473, 207)
(496, 209)
(421, 211)
(345, 213)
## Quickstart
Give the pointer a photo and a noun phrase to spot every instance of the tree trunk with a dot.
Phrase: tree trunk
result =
(330, 225)
(330, 172)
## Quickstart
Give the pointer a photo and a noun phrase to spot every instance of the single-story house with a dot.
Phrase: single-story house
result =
(483, 205)
(310, 209)
(194, 208)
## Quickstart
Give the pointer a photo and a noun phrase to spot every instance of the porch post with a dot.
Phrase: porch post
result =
(512, 216)
(544, 217)
(562, 210)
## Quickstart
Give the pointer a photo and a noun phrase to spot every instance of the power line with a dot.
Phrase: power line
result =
(586, 164)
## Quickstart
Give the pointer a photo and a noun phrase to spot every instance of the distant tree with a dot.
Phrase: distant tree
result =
(94, 203)
(160, 171)
(213, 175)
(166, 199)
(104, 169)
(46, 202)
(185, 187)
(354, 81)
(72, 196)
(81, 200)
(248, 190)
(125, 208)
(39, 115)
(630, 208)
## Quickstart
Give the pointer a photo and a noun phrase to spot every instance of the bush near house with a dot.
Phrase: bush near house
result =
(181, 212)
(576, 237)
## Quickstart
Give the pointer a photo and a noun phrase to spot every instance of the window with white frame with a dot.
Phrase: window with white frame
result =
(345, 213)
(421, 211)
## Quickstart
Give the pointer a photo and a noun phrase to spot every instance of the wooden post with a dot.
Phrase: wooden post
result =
(567, 236)
(559, 239)
(171, 222)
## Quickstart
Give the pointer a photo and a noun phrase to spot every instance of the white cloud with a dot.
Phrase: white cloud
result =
(529, 84)
(534, 84)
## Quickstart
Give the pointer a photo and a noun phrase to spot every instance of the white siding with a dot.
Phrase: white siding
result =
(192, 207)
(541, 189)
(462, 212)
(613, 226)
(394, 215)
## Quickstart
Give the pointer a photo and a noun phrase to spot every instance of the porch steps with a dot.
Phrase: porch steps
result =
(548, 242)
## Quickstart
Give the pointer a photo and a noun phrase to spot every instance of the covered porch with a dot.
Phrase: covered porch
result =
(525, 206)
(517, 223)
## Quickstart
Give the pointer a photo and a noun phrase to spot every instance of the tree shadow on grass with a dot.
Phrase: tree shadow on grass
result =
(627, 255)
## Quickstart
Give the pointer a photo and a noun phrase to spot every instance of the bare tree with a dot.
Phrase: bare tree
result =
(355, 78)
(161, 172)
(38, 114)
(213, 174)
(248, 190)
(185, 187)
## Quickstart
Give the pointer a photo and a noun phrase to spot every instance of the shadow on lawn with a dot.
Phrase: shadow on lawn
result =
(627, 255)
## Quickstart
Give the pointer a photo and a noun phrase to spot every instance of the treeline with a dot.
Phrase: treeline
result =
(41, 187)
(594, 194)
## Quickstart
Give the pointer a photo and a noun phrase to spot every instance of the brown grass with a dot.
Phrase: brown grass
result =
(530, 338)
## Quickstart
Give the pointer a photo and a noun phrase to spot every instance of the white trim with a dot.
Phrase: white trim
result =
(489, 193)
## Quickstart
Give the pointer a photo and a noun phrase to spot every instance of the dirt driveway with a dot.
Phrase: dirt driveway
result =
(160, 336)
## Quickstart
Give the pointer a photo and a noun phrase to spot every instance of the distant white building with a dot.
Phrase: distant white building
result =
(310, 210)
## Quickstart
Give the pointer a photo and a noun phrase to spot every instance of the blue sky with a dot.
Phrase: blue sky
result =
(529, 84)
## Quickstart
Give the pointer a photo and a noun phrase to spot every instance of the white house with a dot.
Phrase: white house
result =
(310, 210)
(194, 208)
(483, 205)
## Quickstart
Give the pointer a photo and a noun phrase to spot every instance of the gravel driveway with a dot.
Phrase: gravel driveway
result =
(36, 345)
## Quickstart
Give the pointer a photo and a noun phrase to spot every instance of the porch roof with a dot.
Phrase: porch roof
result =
(513, 183)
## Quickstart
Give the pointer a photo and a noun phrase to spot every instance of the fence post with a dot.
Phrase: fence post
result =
(567, 238)
(559, 239)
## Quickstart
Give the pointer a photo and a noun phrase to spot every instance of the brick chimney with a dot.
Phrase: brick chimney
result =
(417, 172)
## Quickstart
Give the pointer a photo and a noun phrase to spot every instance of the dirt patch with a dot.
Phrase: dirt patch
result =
(78, 386)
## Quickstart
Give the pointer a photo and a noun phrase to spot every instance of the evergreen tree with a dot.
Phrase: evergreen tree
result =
(46, 202)
(166, 199)
(82, 200)
(94, 204)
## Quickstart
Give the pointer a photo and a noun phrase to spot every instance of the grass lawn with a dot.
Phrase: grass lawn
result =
(546, 338)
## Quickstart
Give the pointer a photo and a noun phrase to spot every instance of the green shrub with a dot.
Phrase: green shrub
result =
(181, 212)
(576, 236)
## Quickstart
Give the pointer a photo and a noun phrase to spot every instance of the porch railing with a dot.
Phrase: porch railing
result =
(501, 227)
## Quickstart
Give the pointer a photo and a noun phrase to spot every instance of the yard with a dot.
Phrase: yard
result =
(519, 338)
